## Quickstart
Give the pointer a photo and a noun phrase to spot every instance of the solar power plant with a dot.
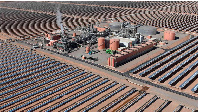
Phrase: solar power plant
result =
(179, 69)
(99, 56)
(37, 17)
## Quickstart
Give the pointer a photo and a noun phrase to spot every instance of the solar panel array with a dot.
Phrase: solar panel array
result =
(31, 82)
(179, 65)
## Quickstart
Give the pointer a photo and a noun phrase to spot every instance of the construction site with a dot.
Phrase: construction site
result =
(99, 56)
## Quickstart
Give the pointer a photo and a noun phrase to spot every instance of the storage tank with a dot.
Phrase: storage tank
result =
(169, 35)
(101, 43)
(115, 26)
(147, 30)
(114, 44)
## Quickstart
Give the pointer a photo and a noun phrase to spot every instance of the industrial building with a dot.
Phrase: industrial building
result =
(99, 56)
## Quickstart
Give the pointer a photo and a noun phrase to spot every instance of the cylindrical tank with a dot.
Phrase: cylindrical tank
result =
(101, 43)
(87, 50)
(169, 35)
(115, 26)
(114, 44)
(147, 30)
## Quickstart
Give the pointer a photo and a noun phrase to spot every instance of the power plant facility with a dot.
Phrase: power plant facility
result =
(99, 56)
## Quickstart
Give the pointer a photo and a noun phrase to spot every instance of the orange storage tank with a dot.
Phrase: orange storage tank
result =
(169, 35)
(101, 43)
(114, 44)
(87, 50)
